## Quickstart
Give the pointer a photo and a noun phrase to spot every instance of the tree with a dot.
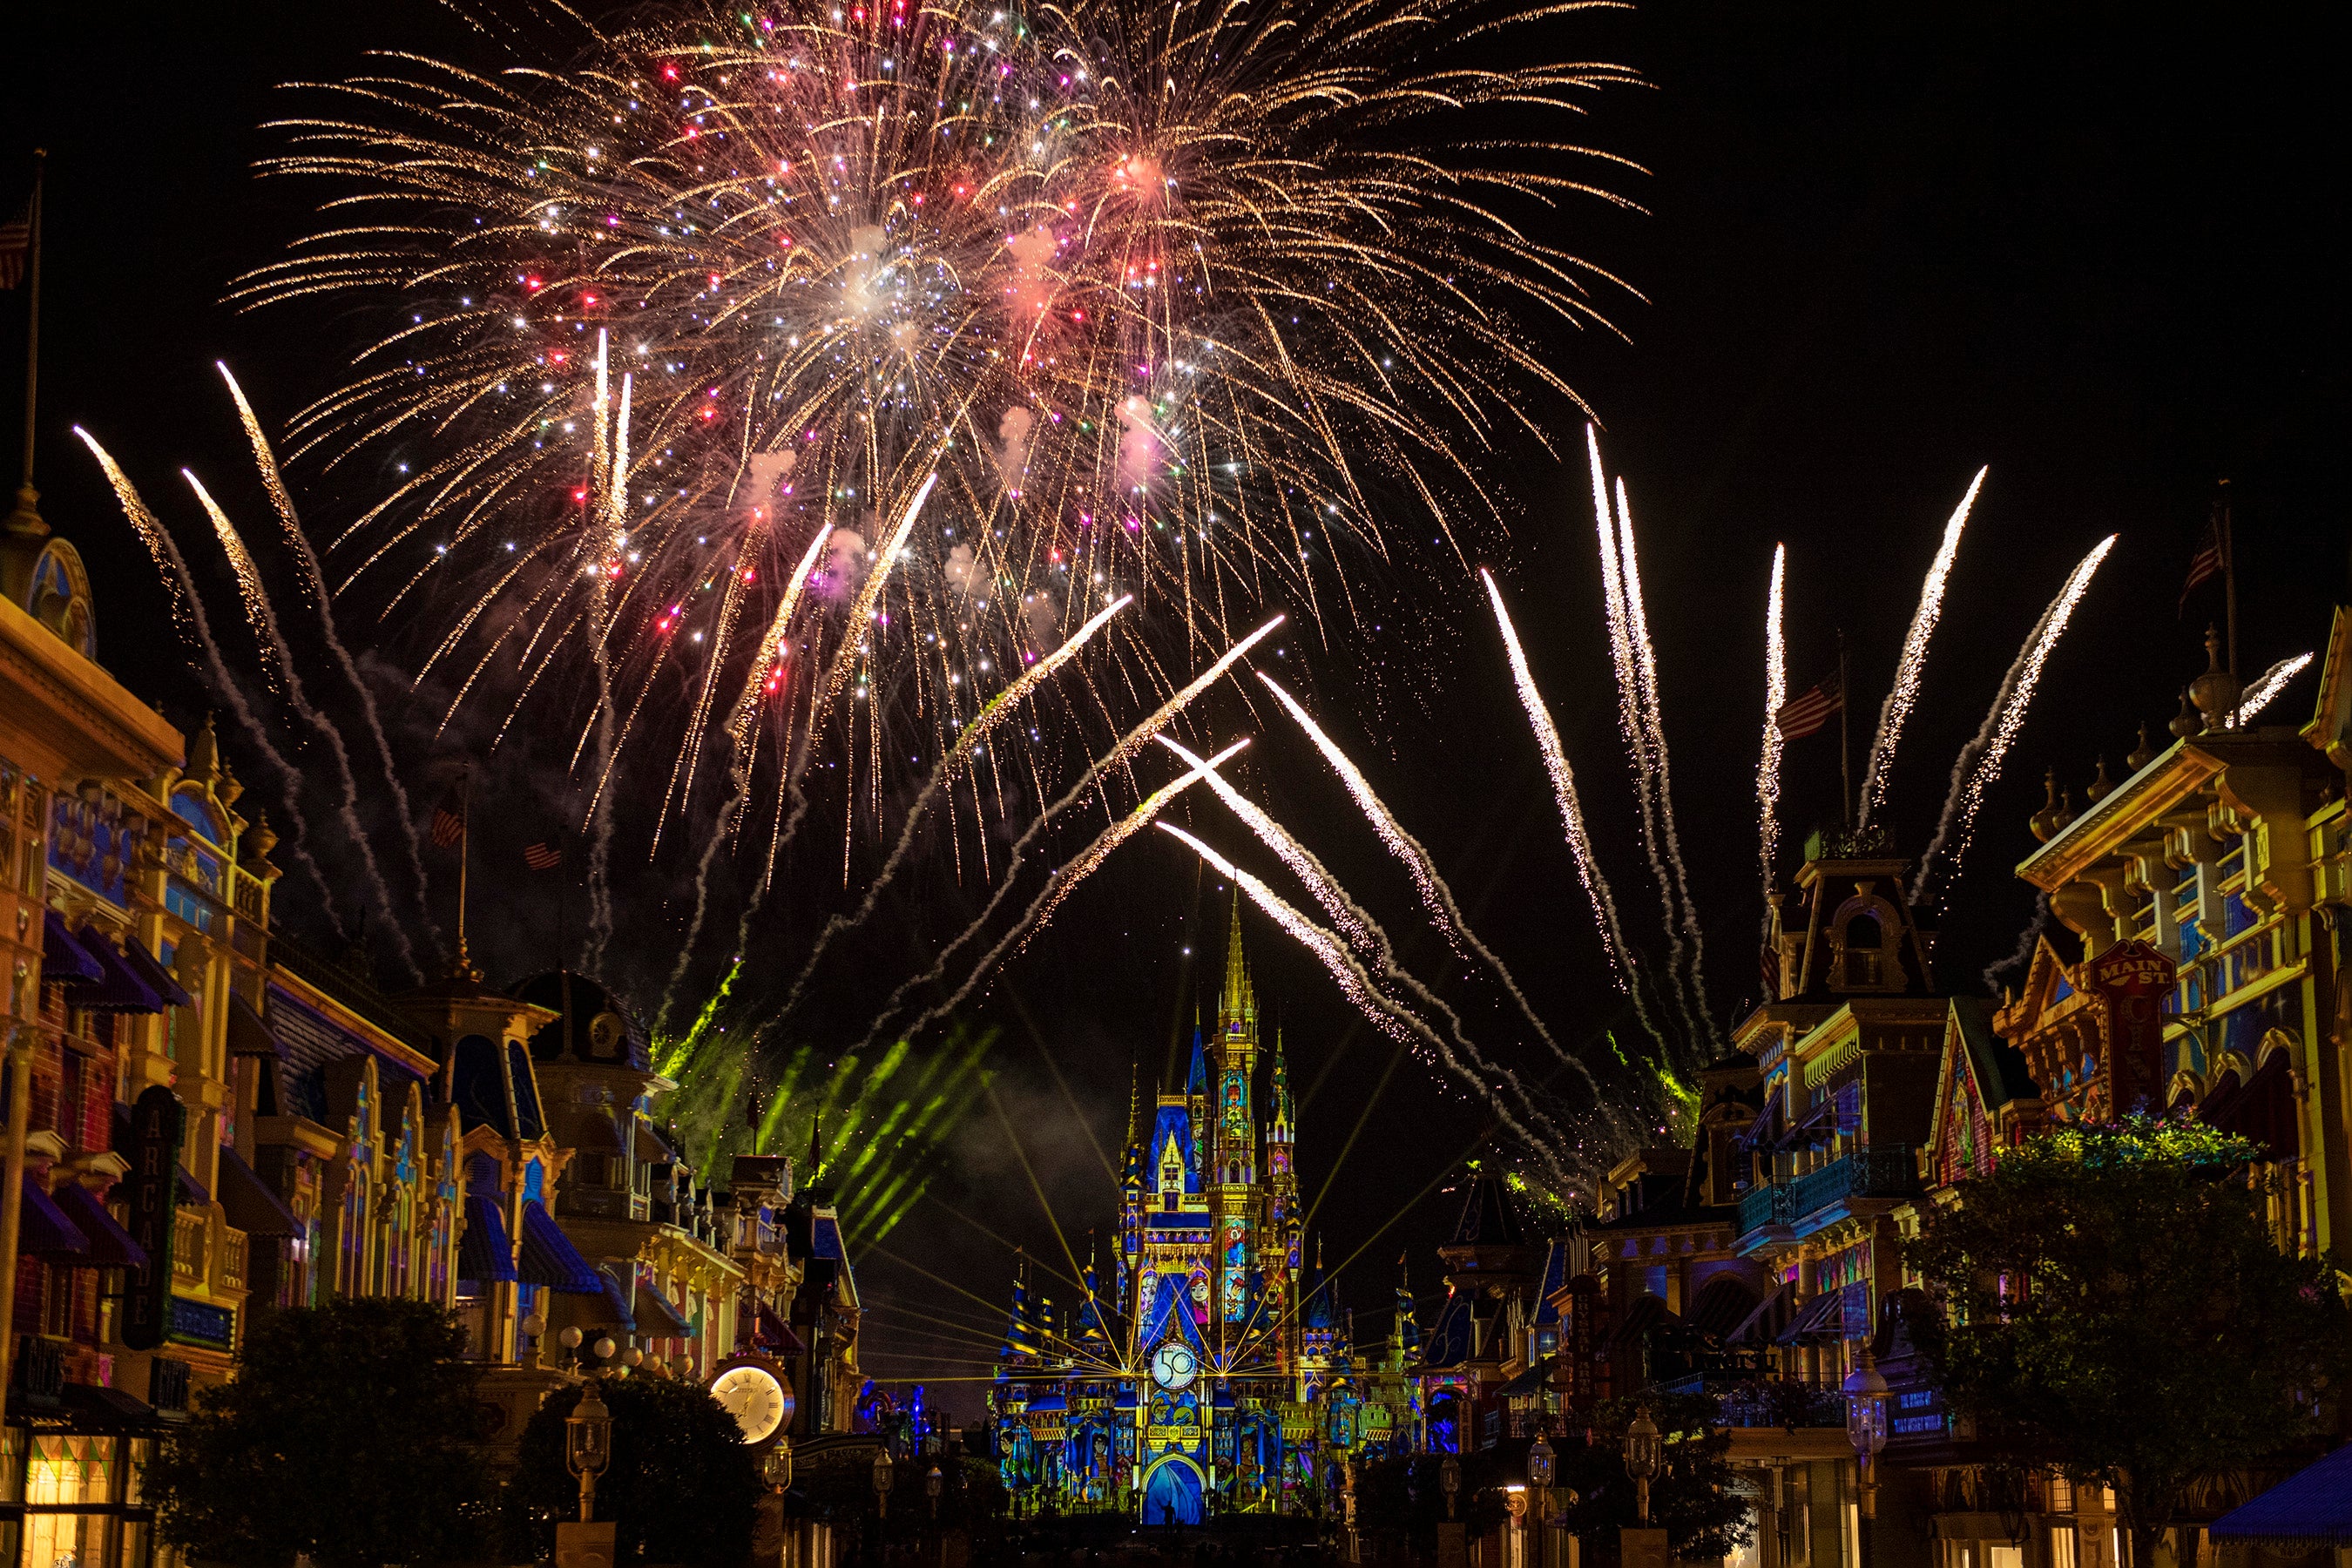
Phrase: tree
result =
(1693, 1498)
(683, 1486)
(346, 1433)
(2114, 1300)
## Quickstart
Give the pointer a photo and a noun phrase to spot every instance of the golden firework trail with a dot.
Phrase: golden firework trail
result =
(174, 568)
(1391, 1017)
(1563, 787)
(1343, 910)
(314, 588)
(1687, 946)
(1905, 692)
(1118, 757)
(1776, 696)
(968, 743)
(1436, 897)
(1365, 933)
(263, 617)
(2269, 684)
(1979, 764)
(1058, 887)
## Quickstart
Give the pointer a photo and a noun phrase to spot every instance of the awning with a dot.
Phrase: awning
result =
(2312, 1508)
(1530, 1380)
(1646, 1313)
(157, 978)
(1822, 1317)
(45, 1232)
(192, 1191)
(110, 1246)
(658, 1317)
(770, 1332)
(1766, 1322)
(549, 1257)
(1723, 1303)
(248, 1035)
(119, 988)
(612, 1311)
(64, 960)
(252, 1207)
(483, 1253)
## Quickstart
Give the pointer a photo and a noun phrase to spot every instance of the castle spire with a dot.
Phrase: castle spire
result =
(1238, 1007)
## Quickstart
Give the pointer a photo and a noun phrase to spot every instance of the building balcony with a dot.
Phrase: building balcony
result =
(1746, 1400)
(1864, 1181)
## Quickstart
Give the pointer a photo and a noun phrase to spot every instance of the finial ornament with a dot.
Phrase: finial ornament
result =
(2218, 691)
(2100, 787)
(2139, 756)
(2045, 823)
(2186, 723)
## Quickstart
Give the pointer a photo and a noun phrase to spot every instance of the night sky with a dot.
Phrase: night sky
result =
(1882, 245)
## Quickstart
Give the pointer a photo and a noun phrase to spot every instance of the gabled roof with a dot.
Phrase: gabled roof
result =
(2000, 1069)
(1173, 1121)
(1170, 1317)
(1555, 1279)
(1454, 1333)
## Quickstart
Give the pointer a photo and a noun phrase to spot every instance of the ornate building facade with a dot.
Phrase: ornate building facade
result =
(1209, 1374)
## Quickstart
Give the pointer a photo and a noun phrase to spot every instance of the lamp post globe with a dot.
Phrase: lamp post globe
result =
(777, 1464)
(1865, 1423)
(1645, 1455)
(1449, 1480)
(588, 1445)
(1540, 1459)
(882, 1479)
(934, 1482)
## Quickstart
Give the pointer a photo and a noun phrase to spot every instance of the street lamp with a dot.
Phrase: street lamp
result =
(932, 1482)
(1865, 1425)
(588, 1445)
(1645, 1455)
(778, 1464)
(1449, 1481)
(1540, 1459)
(883, 1478)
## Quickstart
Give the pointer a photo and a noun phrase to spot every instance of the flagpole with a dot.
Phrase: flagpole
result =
(26, 517)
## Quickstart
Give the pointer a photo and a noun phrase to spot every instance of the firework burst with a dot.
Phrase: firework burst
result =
(1176, 300)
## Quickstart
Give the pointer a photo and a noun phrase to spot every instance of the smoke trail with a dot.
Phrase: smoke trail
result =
(168, 560)
(968, 742)
(1768, 769)
(1979, 764)
(314, 585)
(1661, 769)
(739, 731)
(1363, 931)
(2272, 682)
(1390, 1016)
(1900, 697)
(1049, 898)
(263, 619)
(2025, 949)
(1129, 744)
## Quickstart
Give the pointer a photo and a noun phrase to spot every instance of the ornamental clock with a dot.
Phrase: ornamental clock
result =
(755, 1395)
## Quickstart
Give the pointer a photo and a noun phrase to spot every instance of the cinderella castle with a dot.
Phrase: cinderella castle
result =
(1210, 1375)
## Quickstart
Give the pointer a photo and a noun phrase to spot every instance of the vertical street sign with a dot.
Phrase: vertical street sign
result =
(157, 1121)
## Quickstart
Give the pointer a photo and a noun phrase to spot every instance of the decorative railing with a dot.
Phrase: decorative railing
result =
(234, 1261)
(351, 990)
(188, 1246)
(1881, 1170)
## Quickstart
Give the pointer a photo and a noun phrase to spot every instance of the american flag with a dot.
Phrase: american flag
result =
(2212, 554)
(544, 855)
(450, 816)
(15, 245)
(1806, 712)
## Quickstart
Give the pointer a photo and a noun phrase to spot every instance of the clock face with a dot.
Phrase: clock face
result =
(757, 1401)
(1172, 1367)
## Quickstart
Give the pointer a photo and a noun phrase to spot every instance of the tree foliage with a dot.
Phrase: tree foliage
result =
(2115, 1299)
(683, 1485)
(347, 1433)
(1693, 1500)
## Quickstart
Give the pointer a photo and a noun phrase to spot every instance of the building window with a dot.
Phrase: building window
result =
(2062, 1546)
